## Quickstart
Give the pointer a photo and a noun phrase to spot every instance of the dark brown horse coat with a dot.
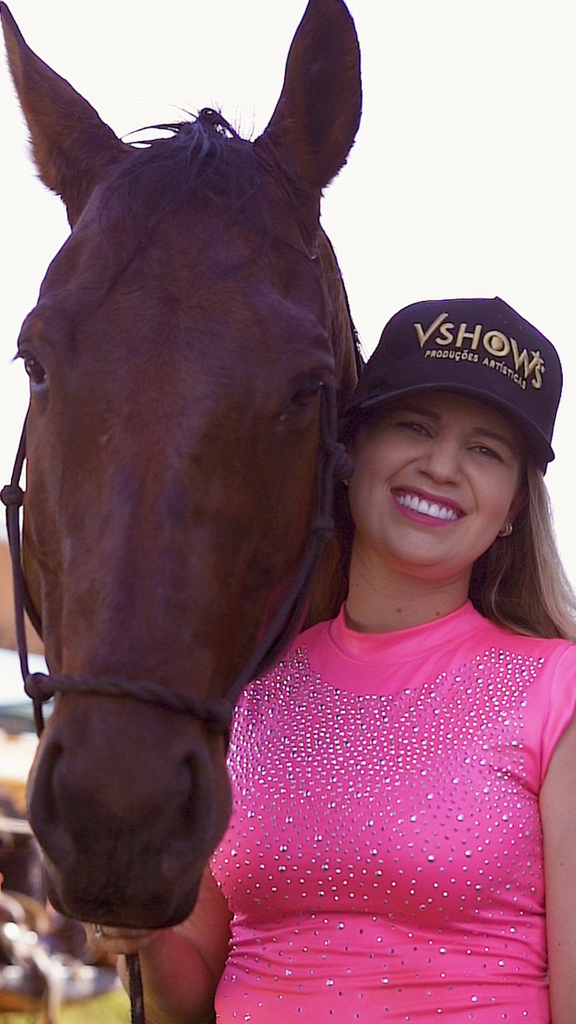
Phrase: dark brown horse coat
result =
(176, 356)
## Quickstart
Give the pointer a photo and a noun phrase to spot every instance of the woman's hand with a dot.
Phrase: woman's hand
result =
(181, 966)
(118, 941)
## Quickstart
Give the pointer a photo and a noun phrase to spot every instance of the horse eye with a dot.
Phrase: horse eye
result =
(307, 393)
(35, 371)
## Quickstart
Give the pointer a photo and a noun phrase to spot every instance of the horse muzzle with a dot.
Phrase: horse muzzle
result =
(127, 813)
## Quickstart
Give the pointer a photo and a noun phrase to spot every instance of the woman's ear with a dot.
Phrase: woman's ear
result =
(519, 502)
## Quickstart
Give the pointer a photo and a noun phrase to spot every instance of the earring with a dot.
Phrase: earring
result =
(506, 530)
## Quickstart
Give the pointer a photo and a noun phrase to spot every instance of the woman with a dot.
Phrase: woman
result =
(405, 780)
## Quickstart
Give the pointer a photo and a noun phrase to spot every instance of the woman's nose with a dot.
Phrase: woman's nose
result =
(442, 460)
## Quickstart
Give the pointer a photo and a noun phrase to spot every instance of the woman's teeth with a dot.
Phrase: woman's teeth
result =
(427, 508)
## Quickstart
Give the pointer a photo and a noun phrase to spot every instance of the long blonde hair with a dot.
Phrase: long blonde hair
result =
(519, 582)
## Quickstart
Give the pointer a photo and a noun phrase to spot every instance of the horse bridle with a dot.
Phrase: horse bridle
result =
(332, 464)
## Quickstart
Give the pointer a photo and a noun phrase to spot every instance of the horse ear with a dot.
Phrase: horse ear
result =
(318, 113)
(72, 148)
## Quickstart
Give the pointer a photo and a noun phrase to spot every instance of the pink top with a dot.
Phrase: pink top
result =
(384, 858)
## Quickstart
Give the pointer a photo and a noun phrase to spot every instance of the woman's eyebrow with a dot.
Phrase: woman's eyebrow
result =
(495, 436)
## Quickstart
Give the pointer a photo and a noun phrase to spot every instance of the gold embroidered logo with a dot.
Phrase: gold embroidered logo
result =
(446, 341)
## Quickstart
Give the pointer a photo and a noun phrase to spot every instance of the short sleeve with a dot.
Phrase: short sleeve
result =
(560, 672)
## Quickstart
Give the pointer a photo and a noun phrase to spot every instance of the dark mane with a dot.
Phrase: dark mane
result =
(202, 155)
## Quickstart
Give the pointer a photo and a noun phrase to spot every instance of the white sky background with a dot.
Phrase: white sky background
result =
(461, 182)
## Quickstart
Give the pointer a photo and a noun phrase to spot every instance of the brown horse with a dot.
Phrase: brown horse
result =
(177, 355)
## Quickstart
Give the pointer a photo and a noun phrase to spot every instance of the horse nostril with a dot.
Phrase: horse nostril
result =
(42, 798)
(45, 809)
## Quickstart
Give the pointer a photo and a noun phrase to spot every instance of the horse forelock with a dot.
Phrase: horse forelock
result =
(203, 159)
(165, 173)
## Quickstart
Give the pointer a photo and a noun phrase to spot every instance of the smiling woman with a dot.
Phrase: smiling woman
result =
(401, 841)
(474, 381)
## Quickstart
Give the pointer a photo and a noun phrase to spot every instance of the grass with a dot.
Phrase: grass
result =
(112, 1008)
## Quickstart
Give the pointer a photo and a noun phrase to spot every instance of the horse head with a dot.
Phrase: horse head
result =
(177, 355)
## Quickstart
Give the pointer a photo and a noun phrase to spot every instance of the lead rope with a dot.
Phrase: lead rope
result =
(135, 989)
(333, 463)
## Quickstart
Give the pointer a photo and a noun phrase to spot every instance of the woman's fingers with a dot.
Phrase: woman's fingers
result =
(119, 941)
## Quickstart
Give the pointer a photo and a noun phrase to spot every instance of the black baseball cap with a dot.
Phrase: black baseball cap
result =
(481, 348)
